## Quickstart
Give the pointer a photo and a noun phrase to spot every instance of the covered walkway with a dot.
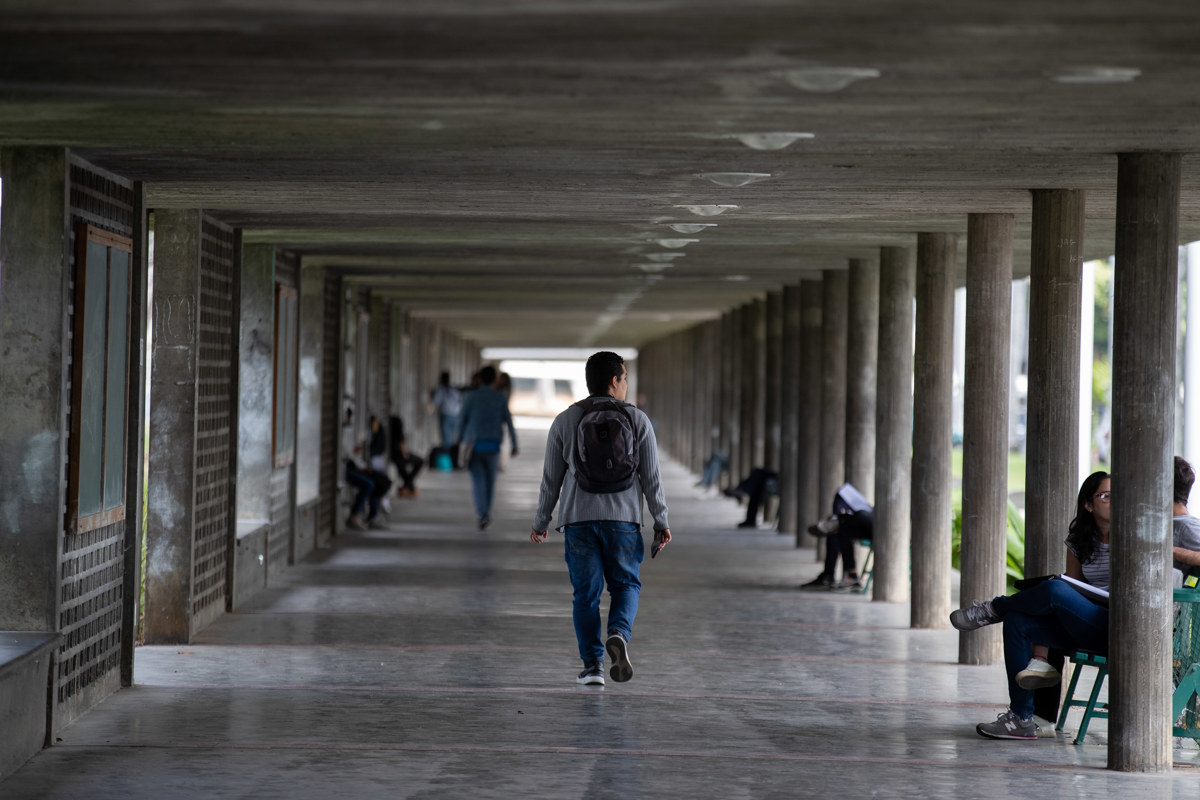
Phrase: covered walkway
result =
(428, 659)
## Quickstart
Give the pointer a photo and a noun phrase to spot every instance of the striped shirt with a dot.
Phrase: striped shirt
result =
(577, 505)
(1095, 570)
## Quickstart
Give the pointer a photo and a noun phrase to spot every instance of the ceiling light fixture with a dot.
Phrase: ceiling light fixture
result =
(675, 244)
(664, 256)
(708, 211)
(828, 79)
(769, 141)
(733, 179)
(1095, 75)
(654, 267)
(737, 278)
(691, 227)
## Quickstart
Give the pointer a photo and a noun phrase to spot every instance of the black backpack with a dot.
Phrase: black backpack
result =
(606, 448)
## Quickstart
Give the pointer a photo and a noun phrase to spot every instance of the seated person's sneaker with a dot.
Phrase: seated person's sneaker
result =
(849, 584)
(826, 527)
(975, 616)
(593, 674)
(1008, 726)
(818, 584)
(1038, 675)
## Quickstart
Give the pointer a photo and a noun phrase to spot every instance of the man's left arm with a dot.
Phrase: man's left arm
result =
(651, 477)
(1185, 556)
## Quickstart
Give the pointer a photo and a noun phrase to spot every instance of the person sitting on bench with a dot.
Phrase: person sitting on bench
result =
(852, 521)
(755, 488)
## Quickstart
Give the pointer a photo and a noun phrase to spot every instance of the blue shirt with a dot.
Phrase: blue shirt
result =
(483, 418)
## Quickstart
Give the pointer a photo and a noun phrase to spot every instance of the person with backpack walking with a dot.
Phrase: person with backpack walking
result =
(601, 459)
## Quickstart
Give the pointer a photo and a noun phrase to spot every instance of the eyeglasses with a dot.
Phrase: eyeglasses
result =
(1103, 497)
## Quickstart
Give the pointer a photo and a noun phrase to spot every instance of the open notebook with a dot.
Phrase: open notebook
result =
(1093, 593)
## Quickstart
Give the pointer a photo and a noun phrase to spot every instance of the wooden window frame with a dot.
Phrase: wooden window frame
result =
(112, 462)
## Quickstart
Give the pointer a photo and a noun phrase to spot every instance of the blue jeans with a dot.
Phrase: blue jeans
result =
(483, 480)
(1051, 614)
(449, 426)
(597, 552)
(364, 491)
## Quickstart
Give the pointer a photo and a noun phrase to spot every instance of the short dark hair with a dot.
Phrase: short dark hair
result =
(1185, 476)
(487, 375)
(601, 368)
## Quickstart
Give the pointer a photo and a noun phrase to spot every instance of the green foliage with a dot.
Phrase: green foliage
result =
(1014, 544)
(1101, 381)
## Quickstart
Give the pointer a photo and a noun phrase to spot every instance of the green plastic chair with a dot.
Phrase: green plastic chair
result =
(1185, 674)
(1092, 707)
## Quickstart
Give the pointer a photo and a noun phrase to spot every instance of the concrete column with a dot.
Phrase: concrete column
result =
(789, 452)
(834, 307)
(773, 381)
(308, 403)
(33, 381)
(1052, 427)
(862, 351)
(731, 359)
(256, 383)
(710, 430)
(985, 425)
(753, 339)
(173, 412)
(759, 412)
(1144, 329)
(809, 508)
(893, 424)
(1191, 369)
(933, 390)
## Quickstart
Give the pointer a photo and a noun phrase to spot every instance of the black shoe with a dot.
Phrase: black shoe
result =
(817, 584)
(748, 524)
(484, 522)
(592, 675)
(735, 493)
(618, 653)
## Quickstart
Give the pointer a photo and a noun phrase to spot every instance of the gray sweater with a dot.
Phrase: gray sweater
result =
(575, 504)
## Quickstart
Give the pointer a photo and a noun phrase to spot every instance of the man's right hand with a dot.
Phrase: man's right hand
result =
(537, 537)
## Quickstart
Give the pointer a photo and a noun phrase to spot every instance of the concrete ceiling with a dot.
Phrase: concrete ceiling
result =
(506, 167)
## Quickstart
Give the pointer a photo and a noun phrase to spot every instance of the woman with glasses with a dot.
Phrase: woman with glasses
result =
(1050, 614)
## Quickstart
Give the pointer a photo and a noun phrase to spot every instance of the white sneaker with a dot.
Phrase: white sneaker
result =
(1037, 675)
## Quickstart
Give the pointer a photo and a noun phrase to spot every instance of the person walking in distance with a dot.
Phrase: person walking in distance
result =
(601, 459)
(481, 424)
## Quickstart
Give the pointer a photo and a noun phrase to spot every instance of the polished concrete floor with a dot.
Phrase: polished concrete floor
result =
(427, 659)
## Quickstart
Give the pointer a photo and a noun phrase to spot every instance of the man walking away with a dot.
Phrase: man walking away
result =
(484, 416)
(601, 458)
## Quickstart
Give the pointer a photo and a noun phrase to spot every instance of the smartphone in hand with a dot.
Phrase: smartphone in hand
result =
(658, 545)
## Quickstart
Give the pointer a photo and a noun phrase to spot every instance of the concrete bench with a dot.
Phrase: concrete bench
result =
(26, 660)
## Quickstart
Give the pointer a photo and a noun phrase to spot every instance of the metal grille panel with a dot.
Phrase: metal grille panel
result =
(214, 423)
(330, 410)
(92, 573)
(280, 545)
(92, 565)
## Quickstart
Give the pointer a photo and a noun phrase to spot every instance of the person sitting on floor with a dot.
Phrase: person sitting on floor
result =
(754, 489)
(408, 464)
(717, 463)
(852, 521)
